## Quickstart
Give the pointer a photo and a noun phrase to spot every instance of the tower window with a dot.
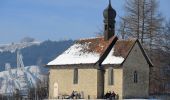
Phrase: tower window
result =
(105, 27)
(110, 27)
(110, 76)
(135, 77)
(75, 78)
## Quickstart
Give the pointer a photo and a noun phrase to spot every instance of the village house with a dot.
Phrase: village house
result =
(93, 67)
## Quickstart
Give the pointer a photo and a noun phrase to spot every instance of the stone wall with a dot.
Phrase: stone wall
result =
(117, 82)
(87, 82)
(100, 83)
(136, 62)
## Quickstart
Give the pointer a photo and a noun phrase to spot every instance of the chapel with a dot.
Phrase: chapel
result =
(93, 67)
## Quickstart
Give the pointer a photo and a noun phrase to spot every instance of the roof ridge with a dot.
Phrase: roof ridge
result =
(112, 42)
(91, 38)
(132, 39)
(143, 52)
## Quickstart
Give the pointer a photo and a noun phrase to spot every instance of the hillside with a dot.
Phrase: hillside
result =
(33, 53)
(20, 79)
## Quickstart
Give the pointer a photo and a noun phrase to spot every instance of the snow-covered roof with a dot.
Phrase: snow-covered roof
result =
(89, 51)
(112, 59)
(75, 55)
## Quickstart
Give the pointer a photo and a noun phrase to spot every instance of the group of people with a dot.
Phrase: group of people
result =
(75, 95)
(111, 95)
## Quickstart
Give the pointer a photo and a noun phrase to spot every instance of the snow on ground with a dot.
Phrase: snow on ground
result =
(21, 79)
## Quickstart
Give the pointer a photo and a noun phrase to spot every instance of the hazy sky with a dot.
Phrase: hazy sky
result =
(56, 19)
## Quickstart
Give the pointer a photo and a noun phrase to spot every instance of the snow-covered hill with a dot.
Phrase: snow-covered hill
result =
(21, 79)
(38, 54)
(15, 46)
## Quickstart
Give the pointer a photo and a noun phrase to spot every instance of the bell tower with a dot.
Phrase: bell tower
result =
(109, 22)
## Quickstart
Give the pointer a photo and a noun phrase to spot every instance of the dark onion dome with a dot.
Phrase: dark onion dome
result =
(109, 12)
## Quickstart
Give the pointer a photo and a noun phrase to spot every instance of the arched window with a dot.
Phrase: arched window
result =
(110, 27)
(105, 27)
(135, 77)
(110, 76)
(75, 77)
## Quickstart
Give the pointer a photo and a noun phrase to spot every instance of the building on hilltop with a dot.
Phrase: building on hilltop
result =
(93, 67)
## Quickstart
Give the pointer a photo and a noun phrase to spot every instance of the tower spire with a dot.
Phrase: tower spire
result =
(109, 22)
(109, 2)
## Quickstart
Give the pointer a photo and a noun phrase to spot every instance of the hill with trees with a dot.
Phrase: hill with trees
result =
(35, 54)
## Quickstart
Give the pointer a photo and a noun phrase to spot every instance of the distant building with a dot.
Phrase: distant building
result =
(93, 67)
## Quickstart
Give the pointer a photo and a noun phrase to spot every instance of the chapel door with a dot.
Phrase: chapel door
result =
(55, 92)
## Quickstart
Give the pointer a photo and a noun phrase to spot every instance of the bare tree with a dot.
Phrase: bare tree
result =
(166, 38)
(142, 20)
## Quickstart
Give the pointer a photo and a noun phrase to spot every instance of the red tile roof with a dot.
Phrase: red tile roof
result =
(97, 45)
(122, 47)
(102, 48)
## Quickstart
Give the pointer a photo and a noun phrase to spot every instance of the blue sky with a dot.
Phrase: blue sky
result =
(56, 19)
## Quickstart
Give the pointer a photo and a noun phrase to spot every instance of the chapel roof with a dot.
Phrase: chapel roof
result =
(95, 45)
(90, 51)
(122, 47)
